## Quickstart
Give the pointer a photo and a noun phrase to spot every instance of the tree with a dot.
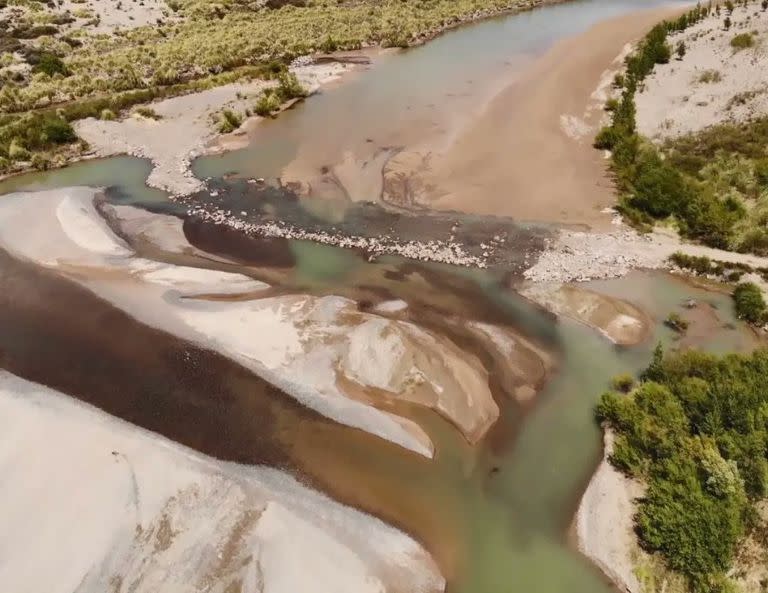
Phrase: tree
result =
(727, 23)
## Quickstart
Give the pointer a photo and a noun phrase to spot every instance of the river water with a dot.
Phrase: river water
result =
(510, 500)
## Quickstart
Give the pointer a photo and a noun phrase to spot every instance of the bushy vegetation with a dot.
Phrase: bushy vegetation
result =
(229, 121)
(696, 431)
(676, 323)
(709, 184)
(750, 304)
(220, 37)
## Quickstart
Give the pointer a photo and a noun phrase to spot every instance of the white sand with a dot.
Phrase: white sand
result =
(604, 523)
(187, 125)
(126, 510)
(675, 101)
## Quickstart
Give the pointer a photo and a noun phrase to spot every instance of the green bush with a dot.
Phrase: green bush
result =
(623, 383)
(676, 323)
(56, 131)
(659, 189)
(267, 103)
(229, 121)
(50, 64)
(750, 304)
(148, 112)
(696, 431)
(289, 87)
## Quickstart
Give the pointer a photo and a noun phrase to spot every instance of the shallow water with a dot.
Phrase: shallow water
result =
(512, 497)
(423, 92)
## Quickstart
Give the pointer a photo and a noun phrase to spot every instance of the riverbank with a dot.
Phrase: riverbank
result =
(119, 61)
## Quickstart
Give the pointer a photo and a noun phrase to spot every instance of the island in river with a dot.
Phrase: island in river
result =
(322, 315)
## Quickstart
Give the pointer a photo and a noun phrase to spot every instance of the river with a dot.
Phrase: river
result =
(506, 504)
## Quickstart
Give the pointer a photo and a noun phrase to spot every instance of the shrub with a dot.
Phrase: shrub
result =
(17, 152)
(676, 323)
(148, 112)
(267, 103)
(289, 87)
(694, 431)
(623, 383)
(743, 41)
(107, 115)
(40, 162)
(606, 138)
(710, 76)
(57, 131)
(680, 50)
(749, 301)
(50, 64)
(229, 121)
(659, 189)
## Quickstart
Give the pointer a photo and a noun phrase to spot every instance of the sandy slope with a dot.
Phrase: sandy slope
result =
(126, 510)
(619, 321)
(674, 100)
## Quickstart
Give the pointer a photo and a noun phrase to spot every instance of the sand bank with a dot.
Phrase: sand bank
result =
(604, 523)
(544, 122)
(186, 127)
(619, 321)
(324, 351)
(156, 516)
(712, 83)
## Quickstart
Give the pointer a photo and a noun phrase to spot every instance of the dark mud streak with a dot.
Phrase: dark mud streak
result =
(58, 334)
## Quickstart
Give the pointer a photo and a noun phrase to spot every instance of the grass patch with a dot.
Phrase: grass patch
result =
(743, 41)
(710, 76)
